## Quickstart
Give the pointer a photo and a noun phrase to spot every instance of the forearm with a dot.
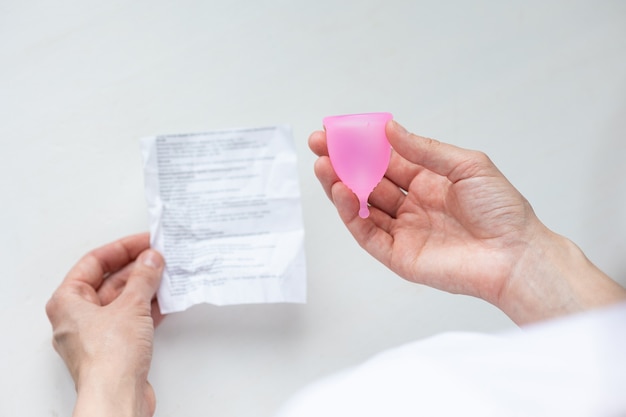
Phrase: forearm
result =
(554, 278)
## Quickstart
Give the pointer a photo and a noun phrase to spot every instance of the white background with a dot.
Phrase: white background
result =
(538, 85)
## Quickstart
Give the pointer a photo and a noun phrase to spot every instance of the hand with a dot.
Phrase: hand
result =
(446, 217)
(103, 317)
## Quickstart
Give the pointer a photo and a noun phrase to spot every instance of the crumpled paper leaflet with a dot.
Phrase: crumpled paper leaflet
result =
(225, 212)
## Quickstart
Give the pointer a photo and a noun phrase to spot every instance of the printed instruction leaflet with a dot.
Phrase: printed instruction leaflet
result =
(224, 209)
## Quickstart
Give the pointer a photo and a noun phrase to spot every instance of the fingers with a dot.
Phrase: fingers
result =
(317, 143)
(144, 279)
(323, 168)
(370, 233)
(325, 174)
(84, 279)
(113, 285)
(155, 311)
(401, 171)
(441, 158)
(94, 266)
(386, 197)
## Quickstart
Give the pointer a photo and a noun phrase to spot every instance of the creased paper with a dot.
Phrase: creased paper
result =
(224, 209)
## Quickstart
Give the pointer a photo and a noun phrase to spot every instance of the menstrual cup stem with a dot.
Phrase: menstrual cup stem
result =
(364, 211)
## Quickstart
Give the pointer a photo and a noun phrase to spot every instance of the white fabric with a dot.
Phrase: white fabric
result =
(574, 366)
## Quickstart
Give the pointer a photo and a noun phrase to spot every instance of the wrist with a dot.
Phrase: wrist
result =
(107, 393)
(553, 278)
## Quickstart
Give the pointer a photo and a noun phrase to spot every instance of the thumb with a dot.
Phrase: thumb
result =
(441, 158)
(145, 277)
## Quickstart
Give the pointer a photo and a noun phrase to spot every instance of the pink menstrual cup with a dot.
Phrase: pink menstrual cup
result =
(359, 151)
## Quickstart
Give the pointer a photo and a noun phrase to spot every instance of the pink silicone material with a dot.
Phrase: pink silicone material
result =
(359, 151)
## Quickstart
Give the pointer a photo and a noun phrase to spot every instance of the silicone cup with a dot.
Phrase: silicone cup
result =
(359, 151)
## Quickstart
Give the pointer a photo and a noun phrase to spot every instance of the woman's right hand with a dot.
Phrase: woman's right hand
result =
(446, 217)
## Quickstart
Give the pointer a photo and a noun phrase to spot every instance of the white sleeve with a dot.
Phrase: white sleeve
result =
(574, 366)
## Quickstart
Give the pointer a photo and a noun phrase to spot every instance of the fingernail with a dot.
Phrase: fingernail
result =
(399, 127)
(152, 259)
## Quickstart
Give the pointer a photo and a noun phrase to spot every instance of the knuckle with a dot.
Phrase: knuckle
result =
(475, 164)
(430, 142)
(52, 306)
(481, 158)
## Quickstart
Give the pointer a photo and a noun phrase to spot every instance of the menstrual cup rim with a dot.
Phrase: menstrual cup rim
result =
(356, 115)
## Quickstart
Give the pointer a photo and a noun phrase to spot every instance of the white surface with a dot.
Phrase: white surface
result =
(540, 86)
